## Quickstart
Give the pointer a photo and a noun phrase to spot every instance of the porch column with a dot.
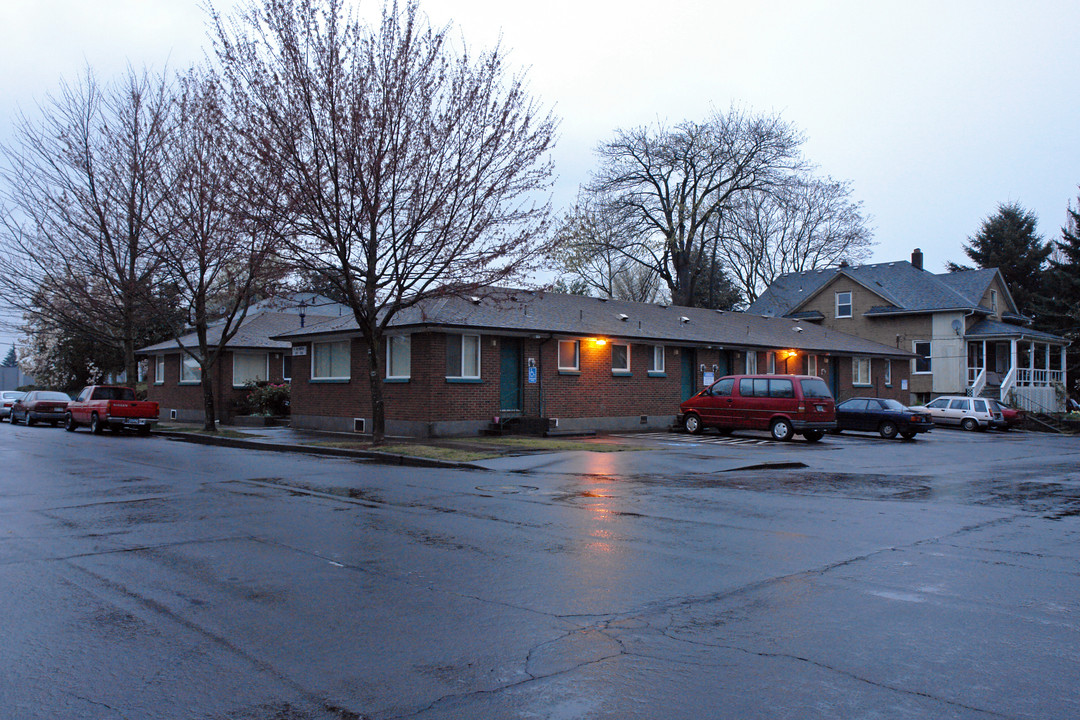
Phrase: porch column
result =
(1031, 362)
(1061, 349)
(1047, 360)
(1012, 355)
(985, 362)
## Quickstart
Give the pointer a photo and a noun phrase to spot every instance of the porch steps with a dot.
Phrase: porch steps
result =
(1048, 423)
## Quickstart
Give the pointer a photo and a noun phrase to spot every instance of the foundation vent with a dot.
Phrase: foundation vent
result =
(172, 414)
(644, 419)
(553, 423)
(359, 425)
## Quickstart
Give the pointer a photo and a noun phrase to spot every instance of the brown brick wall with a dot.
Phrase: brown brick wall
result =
(171, 395)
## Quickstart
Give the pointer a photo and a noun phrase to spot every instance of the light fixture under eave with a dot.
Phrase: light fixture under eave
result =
(600, 341)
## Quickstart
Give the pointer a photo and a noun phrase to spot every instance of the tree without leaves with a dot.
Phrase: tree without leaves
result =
(1009, 241)
(211, 251)
(79, 191)
(801, 223)
(670, 185)
(408, 171)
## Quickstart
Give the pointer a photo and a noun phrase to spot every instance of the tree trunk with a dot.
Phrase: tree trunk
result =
(378, 410)
(209, 423)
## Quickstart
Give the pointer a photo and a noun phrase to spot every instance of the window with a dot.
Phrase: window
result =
(248, 367)
(888, 373)
(189, 371)
(159, 369)
(751, 363)
(815, 388)
(856, 405)
(398, 357)
(754, 387)
(781, 389)
(330, 360)
(922, 363)
(656, 359)
(569, 355)
(811, 364)
(463, 356)
(959, 404)
(980, 406)
(620, 359)
(993, 300)
(860, 371)
(939, 404)
(723, 387)
(772, 362)
(286, 367)
(843, 304)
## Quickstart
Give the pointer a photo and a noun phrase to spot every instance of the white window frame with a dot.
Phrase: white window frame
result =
(620, 370)
(657, 360)
(348, 359)
(188, 362)
(888, 373)
(751, 362)
(929, 357)
(857, 366)
(771, 362)
(398, 341)
(463, 376)
(993, 301)
(577, 356)
(266, 367)
(287, 377)
(811, 365)
(849, 304)
(159, 369)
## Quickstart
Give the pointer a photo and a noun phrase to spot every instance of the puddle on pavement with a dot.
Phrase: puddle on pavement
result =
(507, 489)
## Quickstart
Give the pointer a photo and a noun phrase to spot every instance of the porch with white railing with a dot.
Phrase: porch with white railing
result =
(1025, 377)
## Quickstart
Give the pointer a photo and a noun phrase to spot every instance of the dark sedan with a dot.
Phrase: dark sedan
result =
(40, 406)
(887, 417)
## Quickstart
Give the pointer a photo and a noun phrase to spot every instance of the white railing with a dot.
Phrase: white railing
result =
(1035, 377)
(977, 385)
(1007, 384)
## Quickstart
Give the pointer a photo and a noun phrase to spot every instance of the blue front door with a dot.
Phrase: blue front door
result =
(510, 375)
(689, 378)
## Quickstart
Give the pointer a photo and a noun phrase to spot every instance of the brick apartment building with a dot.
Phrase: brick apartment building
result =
(453, 365)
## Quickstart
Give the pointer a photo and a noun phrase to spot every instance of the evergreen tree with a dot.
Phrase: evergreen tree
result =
(1059, 312)
(10, 360)
(1010, 242)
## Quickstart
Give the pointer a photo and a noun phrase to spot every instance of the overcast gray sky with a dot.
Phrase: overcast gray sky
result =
(935, 111)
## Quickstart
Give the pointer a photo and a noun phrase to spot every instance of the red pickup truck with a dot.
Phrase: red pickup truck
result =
(112, 406)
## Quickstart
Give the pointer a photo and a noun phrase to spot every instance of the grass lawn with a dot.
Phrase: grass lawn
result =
(499, 446)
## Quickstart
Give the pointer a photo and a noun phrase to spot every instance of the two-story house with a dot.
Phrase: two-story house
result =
(964, 328)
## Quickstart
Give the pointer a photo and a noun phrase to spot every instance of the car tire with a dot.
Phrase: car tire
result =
(29, 421)
(888, 429)
(692, 424)
(908, 435)
(781, 429)
(970, 424)
(144, 430)
(813, 436)
(69, 423)
(95, 425)
(836, 431)
(724, 431)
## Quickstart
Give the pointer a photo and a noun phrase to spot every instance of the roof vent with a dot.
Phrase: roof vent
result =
(796, 329)
(662, 305)
(623, 316)
(719, 312)
(602, 299)
(474, 300)
(684, 319)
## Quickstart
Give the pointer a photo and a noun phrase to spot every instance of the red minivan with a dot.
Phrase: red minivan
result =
(782, 404)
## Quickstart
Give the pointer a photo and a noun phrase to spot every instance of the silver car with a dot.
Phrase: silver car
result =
(7, 399)
(970, 413)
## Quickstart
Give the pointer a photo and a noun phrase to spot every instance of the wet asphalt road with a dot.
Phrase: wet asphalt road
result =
(146, 578)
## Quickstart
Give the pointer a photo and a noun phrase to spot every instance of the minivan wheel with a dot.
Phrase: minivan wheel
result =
(888, 430)
(692, 424)
(970, 424)
(812, 436)
(781, 429)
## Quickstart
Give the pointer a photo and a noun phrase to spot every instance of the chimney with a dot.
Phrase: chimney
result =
(916, 259)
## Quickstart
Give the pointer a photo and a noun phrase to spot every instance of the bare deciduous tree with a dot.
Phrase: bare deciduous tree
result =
(79, 190)
(801, 223)
(669, 186)
(214, 257)
(408, 171)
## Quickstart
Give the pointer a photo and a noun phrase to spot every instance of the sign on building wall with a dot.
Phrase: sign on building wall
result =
(299, 350)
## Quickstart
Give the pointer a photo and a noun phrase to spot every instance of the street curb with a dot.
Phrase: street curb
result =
(388, 458)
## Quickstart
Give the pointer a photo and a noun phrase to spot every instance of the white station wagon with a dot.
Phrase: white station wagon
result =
(970, 413)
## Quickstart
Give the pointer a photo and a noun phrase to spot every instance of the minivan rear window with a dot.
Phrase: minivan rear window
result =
(815, 388)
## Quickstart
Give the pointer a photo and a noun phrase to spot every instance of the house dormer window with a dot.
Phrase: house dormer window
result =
(843, 304)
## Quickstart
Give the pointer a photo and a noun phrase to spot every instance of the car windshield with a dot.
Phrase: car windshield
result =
(815, 388)
(890, 404)
(52, 396)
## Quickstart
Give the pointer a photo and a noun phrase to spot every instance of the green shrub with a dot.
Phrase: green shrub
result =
(265, 398)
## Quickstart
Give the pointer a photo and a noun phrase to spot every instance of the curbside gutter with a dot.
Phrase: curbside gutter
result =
(387, 458)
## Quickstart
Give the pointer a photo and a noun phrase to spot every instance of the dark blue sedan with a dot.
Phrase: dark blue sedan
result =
(882, 415)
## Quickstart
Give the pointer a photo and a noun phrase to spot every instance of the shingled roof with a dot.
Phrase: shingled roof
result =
(255, 333)
(904, 287)
(545, 313)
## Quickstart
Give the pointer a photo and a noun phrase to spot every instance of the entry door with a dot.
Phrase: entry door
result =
(689, 382)
(510, 375)
(834, 377)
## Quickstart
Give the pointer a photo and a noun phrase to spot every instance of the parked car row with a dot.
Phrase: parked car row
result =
(787, 405)
(97, 407)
